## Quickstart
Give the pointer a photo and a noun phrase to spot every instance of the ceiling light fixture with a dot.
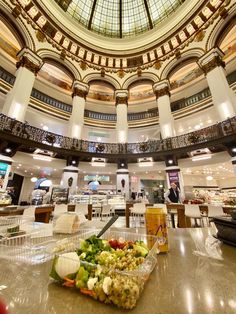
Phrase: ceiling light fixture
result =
(7, 150)
(43, 158)
(234, 150)
(170, 161)
(201, 157)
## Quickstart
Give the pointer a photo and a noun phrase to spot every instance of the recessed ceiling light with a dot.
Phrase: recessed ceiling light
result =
(8, 150)
(20, 165)
(234, 150)
(170, 161)
(73, 162)
(209, 178)
(25, 170)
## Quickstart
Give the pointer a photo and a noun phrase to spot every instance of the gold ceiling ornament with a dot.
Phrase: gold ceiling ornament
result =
(63, 54)
(83, 65)
(177, 54)
(40, 36)
(102, 72)
(200, 35)
(157, 65)
(139, 71)
(121, 73)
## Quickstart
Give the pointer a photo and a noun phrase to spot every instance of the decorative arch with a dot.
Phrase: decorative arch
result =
(221, 29)
(54, 58)
(97, 77)
(145, 76)
(18, 28)
(175, 64)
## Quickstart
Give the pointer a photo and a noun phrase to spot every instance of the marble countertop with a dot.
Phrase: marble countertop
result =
(182, 282)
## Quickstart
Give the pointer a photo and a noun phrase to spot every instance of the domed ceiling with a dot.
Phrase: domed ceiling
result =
(119, 18)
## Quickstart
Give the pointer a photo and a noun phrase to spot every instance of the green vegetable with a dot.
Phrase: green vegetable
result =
(141, 249)
(81, 278)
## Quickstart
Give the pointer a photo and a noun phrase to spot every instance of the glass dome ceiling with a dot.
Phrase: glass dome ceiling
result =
(120, 18)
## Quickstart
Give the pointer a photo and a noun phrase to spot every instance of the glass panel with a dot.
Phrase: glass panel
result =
(106, 16)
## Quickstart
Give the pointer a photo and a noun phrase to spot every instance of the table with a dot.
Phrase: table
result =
(181, 283)
(42, 213)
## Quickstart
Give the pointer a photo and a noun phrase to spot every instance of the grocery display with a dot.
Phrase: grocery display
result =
(5, 199)
(112, 270)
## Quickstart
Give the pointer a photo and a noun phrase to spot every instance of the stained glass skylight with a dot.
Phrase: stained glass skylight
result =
(120, 18)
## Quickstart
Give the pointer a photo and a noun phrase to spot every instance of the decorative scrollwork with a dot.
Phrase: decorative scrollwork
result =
(50, 138)
(143, 147)
(100, 147)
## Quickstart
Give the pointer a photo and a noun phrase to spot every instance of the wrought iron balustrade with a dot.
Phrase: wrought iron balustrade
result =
(202, 136)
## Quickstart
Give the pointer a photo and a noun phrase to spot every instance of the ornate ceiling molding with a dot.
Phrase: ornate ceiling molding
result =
(191, 30)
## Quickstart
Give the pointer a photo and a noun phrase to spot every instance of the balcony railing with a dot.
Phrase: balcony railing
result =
(216, 132)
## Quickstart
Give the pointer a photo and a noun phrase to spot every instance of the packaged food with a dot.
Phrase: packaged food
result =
(112, 270)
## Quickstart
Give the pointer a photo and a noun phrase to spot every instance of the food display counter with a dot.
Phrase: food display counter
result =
(182, 282)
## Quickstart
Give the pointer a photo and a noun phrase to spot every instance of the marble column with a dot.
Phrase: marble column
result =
(76, 121)
(122, 178)
(18, 98)
(223, 97)
(122, 116)
(166, 120)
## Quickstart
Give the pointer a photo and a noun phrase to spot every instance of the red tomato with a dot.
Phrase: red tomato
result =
(3, 309)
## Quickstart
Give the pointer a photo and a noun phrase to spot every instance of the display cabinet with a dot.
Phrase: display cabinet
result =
(59, 195)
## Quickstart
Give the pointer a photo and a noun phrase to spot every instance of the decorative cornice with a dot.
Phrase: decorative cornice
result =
(28, 64)
(216, 61)
(79, 92)
(162, 92)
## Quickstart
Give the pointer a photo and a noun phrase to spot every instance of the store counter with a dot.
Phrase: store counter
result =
(182, 283)
(42, 213)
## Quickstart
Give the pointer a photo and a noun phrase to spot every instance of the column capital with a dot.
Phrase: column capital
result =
(121, 97)
(80, 89)
(161, 88)
(211, 60)
(30, 60)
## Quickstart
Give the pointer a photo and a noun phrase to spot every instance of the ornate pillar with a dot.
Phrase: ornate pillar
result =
(122, 116)
(76, 121)
(122, 178)
(70, 175)
(18, 98)
(224, 99)
(166, 120)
